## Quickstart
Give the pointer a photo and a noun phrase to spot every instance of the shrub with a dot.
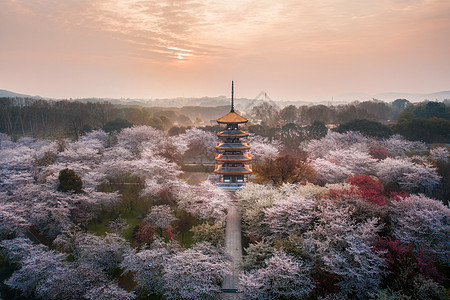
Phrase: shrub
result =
(371, 190)
(69, 181)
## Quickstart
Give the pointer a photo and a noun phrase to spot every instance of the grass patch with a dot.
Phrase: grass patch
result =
(187, 239)
(132, 208)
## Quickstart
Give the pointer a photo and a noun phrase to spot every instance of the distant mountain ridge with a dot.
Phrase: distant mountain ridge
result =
(389, 97)
(244, 104)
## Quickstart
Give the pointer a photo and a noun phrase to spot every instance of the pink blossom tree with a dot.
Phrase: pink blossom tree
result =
(205, 201)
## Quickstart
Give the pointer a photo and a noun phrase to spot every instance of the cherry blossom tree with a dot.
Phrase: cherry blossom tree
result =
(283, 277)
(286, 216)
(160, 216)
(356, 161)
(195, 273)
(108, 291)
(11, 222)
(424, 221)
(205, 201)
(262, 148)
(329, 172)
(134, 138)
(253, 199)
(391, 170)
(408, 175)
(337, 165)
(334, 141)
(158, 172)
(199, 142)
(46, 274)
(422, 178)
(147, 266)
(36, 264)
(340, 246)
(396, 145)
(439, 154)
(105, 253)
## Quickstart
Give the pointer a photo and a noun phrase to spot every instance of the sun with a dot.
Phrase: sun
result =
(180, 56)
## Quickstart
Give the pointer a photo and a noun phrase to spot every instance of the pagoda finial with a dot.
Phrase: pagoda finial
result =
(232, 96)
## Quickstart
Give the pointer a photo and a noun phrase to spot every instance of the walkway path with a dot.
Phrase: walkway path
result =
(233, 247)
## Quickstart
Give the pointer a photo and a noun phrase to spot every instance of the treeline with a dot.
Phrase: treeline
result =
(427, 121)
(41, 118)
(374, 110)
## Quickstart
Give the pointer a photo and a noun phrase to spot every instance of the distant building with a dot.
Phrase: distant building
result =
(233, 161)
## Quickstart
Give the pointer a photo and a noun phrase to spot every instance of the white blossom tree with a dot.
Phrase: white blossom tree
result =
(108, 291)
(46, 274)
(197, 141)
(396, 145)
(205, 201)
(147, 267)
(12, 224)
(283, 277)
(105, 253)
(134, 138)
(335, 141)
(286, 216)
(262, 148)
(160, 216)
(195, 273)
(422, 178)
(329, 172)
(408, 175)
(424, 221)
(340, 246)
(439, 154)
(36, 265)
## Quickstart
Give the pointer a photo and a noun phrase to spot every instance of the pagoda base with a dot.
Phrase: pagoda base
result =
(228, 186)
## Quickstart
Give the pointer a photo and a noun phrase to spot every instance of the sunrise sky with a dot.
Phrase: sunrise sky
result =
(293, 49)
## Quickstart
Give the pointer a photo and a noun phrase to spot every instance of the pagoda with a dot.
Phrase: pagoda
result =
(233, 161)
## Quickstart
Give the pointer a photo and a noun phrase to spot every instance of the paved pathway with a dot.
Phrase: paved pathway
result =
(233, 247)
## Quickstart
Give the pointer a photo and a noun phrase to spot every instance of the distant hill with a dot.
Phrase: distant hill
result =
(389, 97)
(8, 94)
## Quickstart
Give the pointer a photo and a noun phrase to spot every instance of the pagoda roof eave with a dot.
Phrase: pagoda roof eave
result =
(232, 118)
(229, 133)
(233, 170)
(220, 157)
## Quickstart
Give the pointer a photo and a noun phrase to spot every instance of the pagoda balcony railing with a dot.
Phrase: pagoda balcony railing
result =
(246, 169)
(231, 146)
(233, 157)
(232, 133)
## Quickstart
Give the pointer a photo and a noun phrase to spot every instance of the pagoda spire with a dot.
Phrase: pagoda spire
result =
(232, 96)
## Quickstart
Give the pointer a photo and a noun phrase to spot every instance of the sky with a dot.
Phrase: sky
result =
(292, 49)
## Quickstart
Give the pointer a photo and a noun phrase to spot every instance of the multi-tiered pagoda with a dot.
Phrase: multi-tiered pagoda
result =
(233, 161)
